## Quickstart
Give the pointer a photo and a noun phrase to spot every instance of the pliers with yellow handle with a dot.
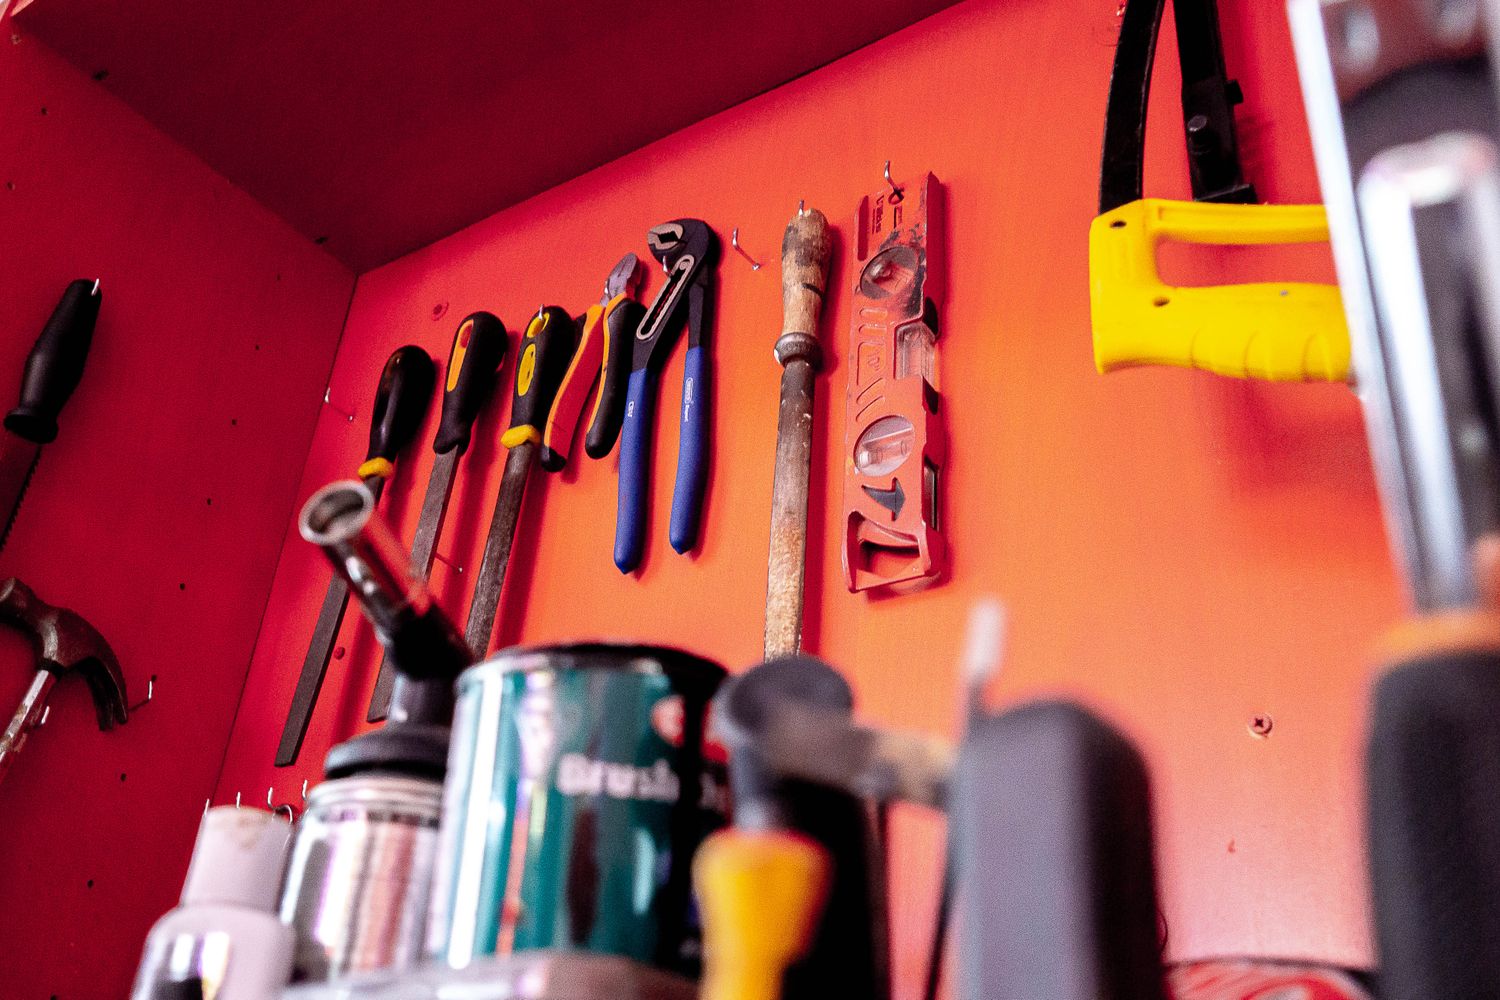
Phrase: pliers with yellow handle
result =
(608, 329)
(1280, 331)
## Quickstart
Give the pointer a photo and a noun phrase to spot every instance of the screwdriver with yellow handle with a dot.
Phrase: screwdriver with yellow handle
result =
(760, 896)
(541, 363)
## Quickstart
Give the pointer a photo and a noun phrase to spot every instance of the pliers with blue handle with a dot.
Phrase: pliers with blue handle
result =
(688, 249)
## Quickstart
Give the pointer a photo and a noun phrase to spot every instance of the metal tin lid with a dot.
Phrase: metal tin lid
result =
(690, 674)
(381, 793)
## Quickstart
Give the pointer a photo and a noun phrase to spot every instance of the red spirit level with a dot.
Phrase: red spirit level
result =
(893, 442)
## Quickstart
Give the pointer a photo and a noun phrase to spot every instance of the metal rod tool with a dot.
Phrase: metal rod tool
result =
(1405, 121)
(401, 401)
(478, 351)
(805, 250)
(542, 362)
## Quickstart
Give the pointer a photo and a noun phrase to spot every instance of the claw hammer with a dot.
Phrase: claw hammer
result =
(65, 643)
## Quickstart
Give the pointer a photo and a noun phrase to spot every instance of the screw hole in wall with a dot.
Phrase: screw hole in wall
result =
(44, 109)
(182, 586)
(320, 240)
(10, 185)
(233, 422)
(89, 883)
(122, 775)
(101, 75)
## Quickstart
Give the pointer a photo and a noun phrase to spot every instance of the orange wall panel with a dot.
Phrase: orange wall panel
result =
(1181, 551)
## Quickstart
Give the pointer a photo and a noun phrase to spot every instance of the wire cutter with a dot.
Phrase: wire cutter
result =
(608, 329)
(688, 249)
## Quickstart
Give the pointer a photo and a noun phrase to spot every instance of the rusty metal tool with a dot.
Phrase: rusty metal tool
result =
(401, 401)
(689, 250)
(53, 370)
(893, 440)
(606, 333)
(545, 349)
(804, 281)
(65, 644)
(478, 351)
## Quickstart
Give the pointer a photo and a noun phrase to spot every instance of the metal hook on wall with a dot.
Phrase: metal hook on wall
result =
(896, 193)
(734, 242)
(150, 693)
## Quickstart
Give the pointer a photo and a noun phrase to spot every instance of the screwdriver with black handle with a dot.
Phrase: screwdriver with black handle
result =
(478, 351)
(545, 352)
(401, 402)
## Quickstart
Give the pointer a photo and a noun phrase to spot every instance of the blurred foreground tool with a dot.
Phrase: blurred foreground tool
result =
(761, 894)
(361, 872)
(689, 250)
(53, 370)
(473, 365)
(65, 644)
(1401, 100)
(1052, 845)
(607, 331)
(893, 434)
(1291, 331)
(541, 363)
(804, 281)
(401, 401)
(847, 957)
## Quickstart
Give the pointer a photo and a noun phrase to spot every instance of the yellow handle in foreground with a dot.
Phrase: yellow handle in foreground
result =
(1287, 332)
(760, 894)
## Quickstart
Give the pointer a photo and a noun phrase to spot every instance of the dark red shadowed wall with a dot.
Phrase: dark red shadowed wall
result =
(160, 511)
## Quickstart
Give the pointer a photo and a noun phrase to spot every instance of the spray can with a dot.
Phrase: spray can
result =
(578, 789)
(224, 939)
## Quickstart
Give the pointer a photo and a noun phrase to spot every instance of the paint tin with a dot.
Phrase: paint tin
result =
(578, 790)
(360, 875)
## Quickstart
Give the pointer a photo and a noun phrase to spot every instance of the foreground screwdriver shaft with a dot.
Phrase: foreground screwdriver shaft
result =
(478, 350)
(401, 401)
(542, 361)
(804, 278)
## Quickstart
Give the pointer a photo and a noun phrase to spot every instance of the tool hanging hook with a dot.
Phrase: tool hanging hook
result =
(328, 401)
(236, 800)
(150, 693)
(734, 242)
(896, 193)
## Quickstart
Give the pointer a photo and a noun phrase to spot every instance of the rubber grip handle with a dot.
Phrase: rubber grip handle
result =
(546, 348)
(401, 401)
(692, 451)
(1282, 331)
(557, 435)
(621, 319)
(55, 365)
(635, 462)
(478, 350)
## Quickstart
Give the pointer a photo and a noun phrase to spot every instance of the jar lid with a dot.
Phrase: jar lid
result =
(690, 674)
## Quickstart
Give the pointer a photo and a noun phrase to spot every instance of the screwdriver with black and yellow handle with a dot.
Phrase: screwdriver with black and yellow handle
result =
(478, 351)
(401, 402)
(545, 350)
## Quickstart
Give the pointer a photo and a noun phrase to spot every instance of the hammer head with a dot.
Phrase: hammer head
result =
(65, 644)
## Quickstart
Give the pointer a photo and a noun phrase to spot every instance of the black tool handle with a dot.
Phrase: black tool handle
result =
(55, 364)
(401, 402)
(620, 324)
(478, 350)
(546, 348)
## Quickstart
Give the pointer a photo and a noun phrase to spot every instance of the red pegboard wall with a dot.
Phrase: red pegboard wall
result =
(159, 512)
(1184, 552)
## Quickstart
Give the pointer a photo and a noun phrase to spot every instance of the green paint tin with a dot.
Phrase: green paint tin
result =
(578, 790)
